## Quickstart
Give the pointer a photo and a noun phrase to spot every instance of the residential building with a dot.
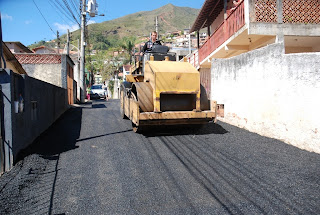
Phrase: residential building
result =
(46, 65)
(98, 79)
(46, 50)
(261, 60)
(11, 61)
(126, 70)
(17, 47)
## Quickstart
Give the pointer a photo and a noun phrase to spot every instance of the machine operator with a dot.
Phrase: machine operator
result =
(153, 41)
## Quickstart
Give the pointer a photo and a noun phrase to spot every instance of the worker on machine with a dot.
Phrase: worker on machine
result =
(153, 41)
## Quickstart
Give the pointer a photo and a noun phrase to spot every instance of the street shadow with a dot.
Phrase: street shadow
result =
(173, 130)
(103, 135)
(99, 106)
(60, 137)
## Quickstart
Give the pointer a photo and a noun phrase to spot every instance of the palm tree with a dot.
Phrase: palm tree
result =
(128, 45)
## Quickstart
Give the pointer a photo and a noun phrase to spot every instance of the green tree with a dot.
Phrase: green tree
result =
(98, 64)
(128, 45)
(111, 86)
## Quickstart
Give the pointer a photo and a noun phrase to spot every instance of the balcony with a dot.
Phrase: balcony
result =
(257, 24)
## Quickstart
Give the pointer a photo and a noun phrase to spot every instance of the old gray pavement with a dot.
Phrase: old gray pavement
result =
(91, 162)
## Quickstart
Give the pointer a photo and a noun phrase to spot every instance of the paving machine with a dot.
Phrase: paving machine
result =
(162, 91)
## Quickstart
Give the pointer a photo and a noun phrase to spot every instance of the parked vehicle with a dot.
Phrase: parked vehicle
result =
(98, 91)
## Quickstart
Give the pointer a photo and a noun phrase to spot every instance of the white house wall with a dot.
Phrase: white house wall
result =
(50, 73)
(271, 93)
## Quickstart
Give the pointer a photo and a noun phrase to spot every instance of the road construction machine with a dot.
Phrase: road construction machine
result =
(162, 91)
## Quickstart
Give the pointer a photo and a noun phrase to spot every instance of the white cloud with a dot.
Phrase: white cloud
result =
(91, 22)
(27, 22)
(62, 28)
(6, 16)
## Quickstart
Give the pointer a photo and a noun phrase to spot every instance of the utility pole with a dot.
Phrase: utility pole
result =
(189, 40)
(157, 26)
(78, 51)
(58, 41)
(68, 41)
(82, 52)
(189, 43)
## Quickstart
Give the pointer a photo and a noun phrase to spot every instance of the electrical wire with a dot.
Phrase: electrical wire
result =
(68, 7)
(57, 8)
(66, 13)
(43, 16)
(73, 3)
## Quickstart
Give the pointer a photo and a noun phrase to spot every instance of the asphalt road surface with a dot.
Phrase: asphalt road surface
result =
(91, 162)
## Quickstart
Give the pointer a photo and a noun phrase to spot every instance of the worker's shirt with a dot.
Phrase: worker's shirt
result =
(148, 45)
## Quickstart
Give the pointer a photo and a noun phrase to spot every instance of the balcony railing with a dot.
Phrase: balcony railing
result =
(293, 12)
(193, 58)
(230, 26)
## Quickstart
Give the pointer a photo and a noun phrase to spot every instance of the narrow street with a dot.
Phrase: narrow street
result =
(91, 162)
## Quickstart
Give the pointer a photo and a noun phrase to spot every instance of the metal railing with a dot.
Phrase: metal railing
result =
(231, 25)
(193, 58)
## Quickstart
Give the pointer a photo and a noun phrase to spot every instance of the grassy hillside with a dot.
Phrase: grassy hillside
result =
(140, 24)
(170, 18)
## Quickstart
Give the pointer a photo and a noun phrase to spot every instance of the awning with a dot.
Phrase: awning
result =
(208, 13)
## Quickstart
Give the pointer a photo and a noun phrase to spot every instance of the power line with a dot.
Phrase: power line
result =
(66, 11)
(54, 5)
(42, 15)
(68, 7)
(75, 7)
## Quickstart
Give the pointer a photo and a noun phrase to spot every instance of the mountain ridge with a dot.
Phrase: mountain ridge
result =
(170, 18)
(139, 24)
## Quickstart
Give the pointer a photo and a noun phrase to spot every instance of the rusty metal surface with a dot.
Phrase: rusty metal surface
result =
(178, 115)
(144, 96)
(204, 101)
(134, 78)
(220, 110)
(143, 124)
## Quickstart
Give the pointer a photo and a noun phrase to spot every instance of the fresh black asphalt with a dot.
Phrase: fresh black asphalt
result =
(91, 162)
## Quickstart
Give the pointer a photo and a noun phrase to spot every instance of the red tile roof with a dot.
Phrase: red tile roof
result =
(38, 58)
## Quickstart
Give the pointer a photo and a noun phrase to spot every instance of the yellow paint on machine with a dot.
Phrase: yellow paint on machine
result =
(182, 93)
(172, 78)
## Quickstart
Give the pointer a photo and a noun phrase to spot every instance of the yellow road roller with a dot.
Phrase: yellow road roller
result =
(162, 91)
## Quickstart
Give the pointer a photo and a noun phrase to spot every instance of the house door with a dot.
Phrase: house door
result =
(70, 85)
(205, 80)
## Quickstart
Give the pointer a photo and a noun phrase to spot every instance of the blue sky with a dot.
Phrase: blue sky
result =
(22, 21)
